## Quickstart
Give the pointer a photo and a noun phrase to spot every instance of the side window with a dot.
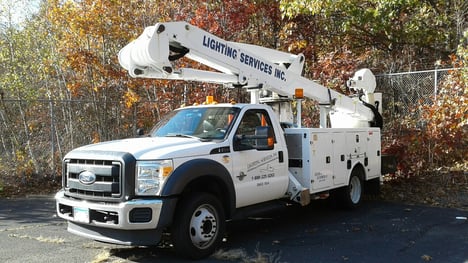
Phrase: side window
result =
(247, 126)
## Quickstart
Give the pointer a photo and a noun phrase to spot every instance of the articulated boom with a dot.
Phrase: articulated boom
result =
(153, 53)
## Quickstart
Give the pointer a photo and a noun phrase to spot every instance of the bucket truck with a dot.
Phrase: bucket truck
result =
(205, 164)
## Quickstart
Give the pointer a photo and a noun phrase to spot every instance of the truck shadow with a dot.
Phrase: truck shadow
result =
(261, 238)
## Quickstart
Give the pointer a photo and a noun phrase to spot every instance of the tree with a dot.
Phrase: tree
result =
(20, 81)
(253, 22)
(406, 34)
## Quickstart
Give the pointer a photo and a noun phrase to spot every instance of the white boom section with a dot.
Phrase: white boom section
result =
(152, 54)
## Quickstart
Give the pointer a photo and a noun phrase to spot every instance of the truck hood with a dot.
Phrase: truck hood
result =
(151, 148)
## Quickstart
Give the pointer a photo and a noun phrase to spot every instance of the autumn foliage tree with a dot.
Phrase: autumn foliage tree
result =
(23, 122)
(405, 35)
(90, 67)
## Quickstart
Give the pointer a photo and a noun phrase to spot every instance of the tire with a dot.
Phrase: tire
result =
(199, 226)
(350, 196)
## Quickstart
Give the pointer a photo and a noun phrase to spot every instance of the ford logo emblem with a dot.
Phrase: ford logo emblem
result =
(87, 177)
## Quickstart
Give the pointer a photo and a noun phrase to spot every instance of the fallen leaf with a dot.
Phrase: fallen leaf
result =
(426, 257)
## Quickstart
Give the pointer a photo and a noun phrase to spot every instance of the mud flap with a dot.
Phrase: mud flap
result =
(297, 192)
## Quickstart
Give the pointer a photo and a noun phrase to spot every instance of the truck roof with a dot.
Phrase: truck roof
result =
(226, 105)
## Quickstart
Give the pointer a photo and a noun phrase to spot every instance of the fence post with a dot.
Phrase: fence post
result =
(435, 83)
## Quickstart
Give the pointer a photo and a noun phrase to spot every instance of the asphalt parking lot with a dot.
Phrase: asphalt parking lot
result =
(376, 232)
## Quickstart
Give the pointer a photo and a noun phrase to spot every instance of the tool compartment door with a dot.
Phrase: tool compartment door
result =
(340, 171)
(321, 159)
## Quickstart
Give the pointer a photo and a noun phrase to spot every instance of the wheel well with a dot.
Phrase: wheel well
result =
(209, 184)
(359, 170)
(371, 186)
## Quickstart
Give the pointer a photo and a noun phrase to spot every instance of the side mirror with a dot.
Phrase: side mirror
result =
(265, 138)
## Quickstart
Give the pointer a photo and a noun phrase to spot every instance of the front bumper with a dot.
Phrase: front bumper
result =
(134, 222)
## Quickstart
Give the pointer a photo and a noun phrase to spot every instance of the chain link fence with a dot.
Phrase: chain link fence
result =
(36, 134)
(401, 92)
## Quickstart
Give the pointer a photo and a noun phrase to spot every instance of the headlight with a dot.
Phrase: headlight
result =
(150, 175)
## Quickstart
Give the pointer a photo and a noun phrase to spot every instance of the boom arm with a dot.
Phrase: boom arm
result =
(152, 54)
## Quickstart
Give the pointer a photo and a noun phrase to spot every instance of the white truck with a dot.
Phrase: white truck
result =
(202, 165)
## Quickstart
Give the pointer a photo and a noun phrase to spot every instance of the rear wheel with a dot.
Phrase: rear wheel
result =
(199, 226)
(350, 195)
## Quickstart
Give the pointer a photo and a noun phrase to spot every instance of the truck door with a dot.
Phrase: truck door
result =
(259, 175)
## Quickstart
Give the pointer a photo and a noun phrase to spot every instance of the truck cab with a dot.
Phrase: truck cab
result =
(129, 191)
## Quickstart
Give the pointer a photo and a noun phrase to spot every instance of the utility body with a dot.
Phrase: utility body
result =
(202, 165)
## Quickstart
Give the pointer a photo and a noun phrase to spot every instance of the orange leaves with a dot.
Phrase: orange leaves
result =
(96, 137)
(299, 45)
(90, 34)
(130, 98)
(228, 19)
(335, 68)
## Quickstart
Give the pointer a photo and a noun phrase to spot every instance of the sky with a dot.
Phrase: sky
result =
(17, 11)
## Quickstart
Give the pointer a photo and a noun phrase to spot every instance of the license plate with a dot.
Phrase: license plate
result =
(81, 214)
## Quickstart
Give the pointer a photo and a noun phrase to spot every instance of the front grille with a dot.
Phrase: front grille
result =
(108, 178)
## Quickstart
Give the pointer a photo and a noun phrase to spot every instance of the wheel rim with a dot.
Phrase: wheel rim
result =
(355, 190)
(203, 226)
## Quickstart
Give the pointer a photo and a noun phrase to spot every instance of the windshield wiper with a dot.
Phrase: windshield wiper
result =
(187, 136)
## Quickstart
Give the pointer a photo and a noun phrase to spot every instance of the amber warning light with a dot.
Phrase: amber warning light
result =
(299, 93)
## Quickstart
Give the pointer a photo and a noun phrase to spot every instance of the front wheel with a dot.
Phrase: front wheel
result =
(199, 226)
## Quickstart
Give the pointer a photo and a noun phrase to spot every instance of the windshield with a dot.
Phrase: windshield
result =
(203, 123)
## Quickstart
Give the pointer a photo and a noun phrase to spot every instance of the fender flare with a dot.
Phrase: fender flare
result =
(198, 168)
(358, 165)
